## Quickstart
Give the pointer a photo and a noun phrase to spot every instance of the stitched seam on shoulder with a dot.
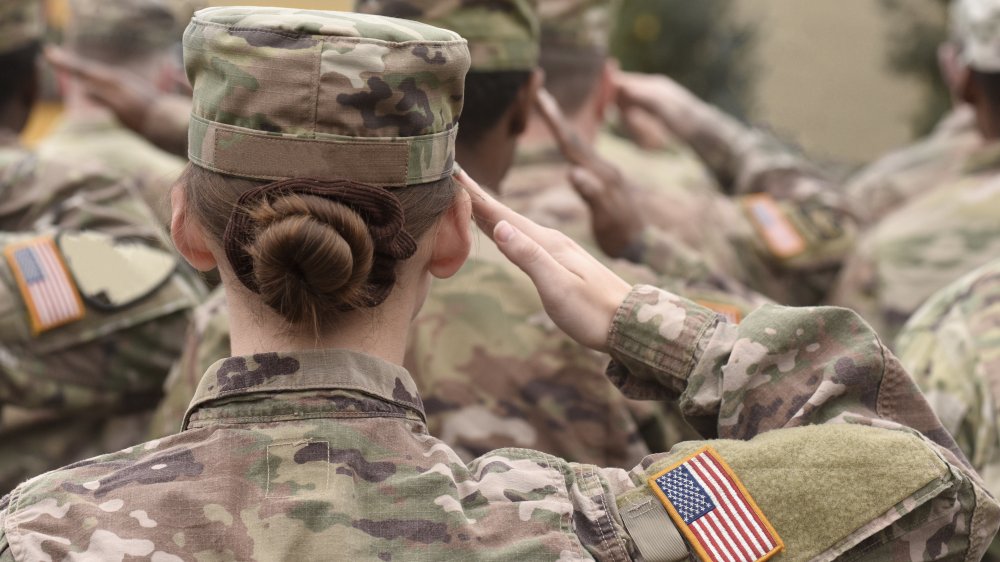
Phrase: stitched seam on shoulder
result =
(14, 539)
(611, 536)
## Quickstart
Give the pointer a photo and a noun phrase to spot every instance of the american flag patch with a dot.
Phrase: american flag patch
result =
(782, 238)
(714, 511)
(46, 286)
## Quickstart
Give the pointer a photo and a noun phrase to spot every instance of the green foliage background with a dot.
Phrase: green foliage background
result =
(696, 42)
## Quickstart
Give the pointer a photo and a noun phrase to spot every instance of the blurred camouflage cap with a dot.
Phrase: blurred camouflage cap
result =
(140, 26)
(21, 22)
(285, 93)
(502, 34)
(976, 25)
(584, 24)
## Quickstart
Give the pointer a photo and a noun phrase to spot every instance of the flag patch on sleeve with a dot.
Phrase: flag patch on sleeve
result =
(49, 292)
(713, 510)
(781, 236)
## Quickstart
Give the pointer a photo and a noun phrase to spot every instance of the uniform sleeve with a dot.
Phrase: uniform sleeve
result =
(5, 554)
(949, 347)
(826, 431)
(799, 225)
(780, 367)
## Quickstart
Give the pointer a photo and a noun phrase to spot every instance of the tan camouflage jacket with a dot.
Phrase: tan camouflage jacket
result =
(304, 456)
(101, 138)
(62, 390)
(950, 346)
(924, 245)
(891, 181)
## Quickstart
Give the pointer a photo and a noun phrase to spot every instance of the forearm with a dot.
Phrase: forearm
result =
(780, 367)
(166, 125)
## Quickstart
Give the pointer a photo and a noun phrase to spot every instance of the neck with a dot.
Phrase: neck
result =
(380, 332)
(481, 165)
(538, 132)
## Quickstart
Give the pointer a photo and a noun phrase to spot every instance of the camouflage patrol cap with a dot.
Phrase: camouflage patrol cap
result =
(285, 93)
(21, 23)
(976, 25)
(503, 34)
(113, 26)
(584, 24)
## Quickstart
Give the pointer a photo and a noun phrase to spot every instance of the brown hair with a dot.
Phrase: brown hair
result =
(309, 255)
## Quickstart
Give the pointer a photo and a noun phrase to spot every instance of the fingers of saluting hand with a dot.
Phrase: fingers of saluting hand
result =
(488, 212)
(66, 61)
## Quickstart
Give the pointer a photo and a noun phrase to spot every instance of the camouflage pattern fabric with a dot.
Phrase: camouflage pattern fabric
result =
(391, 96)
(146, 26)
(21, 23)
(101, 138)
(950, 346)
(61, 389)
(502, 35)
(924, 245)
(361, 474)
(891, 181)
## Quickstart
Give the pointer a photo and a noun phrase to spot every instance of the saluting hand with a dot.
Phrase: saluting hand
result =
(616, 219)
(578, 292)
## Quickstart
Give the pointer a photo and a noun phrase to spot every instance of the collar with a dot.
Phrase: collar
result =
(263, 377)
(536, 153)
(87, 123)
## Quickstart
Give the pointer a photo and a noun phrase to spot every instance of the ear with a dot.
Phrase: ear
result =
(188, 236)
(452, 239)
(524, 104)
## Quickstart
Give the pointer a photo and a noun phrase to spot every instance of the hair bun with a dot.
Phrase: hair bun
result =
(311, 256)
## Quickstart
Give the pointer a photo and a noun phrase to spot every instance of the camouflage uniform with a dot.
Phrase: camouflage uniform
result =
(62, 387)
(949, 345)
(97, 136)
(552, 396)
(946, 232)
(300, 455)
(360, 474)
(900, 176)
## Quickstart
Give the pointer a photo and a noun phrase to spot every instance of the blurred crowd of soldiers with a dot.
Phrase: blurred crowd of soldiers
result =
(668, 189)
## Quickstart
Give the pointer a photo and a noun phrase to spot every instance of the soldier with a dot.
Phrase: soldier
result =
(136, 36)
(492, 368)
(289, 455)
(805, 226)
(950, 347)
(951, 229)
(570, 169)
(72, 368)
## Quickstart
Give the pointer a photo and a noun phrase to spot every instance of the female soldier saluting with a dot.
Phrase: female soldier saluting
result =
(310, 443)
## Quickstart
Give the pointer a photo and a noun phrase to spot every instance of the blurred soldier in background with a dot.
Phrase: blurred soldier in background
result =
(90, 324)
(951, 229)
(952, 348)
(134, 36)
(938, 157)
